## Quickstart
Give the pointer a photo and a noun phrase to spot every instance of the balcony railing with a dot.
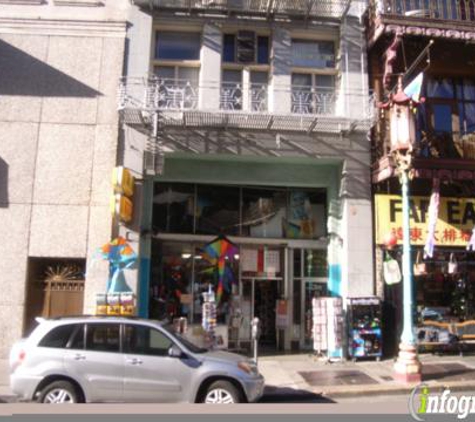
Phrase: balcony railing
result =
(234, 97)
(168, 94)
(460, 10)
(313, 100)
(296, 8)
(153, 93)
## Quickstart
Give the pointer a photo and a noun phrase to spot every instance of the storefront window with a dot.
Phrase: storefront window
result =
(217, 210)
(173, 208)
(264, 212)
(315, 263)
(171, 286)
(307, 218)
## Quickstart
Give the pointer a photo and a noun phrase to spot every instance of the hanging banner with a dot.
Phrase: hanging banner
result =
(456, 219)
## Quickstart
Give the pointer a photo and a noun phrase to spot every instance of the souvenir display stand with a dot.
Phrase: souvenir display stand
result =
(365, 331)
(327, 330)
(209, 319)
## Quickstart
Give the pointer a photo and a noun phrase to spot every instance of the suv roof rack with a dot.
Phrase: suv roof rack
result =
(92, 316)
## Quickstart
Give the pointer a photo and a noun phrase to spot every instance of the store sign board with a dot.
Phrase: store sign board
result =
(282, 317)
(454, 225)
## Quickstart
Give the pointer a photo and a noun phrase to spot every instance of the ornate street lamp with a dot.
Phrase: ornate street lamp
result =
(402, 127)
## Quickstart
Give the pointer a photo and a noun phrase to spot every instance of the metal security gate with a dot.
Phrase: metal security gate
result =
(63, 297)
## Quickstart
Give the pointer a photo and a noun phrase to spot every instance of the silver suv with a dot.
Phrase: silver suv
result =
(118, 359)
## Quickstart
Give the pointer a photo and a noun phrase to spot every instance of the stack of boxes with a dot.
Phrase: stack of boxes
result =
(115, 304)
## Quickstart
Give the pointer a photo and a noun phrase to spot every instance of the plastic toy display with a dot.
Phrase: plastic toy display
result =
(364, 323)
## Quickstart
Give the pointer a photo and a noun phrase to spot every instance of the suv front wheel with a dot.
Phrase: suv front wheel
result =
(59, 392)
(222, 392)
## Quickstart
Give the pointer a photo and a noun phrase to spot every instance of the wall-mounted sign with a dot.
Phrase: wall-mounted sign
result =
(123, 181)
(123, 184)
(122, 207)
(281, 314)
(455, 222)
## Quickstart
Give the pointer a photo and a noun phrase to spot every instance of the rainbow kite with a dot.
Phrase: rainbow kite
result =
(217, 252)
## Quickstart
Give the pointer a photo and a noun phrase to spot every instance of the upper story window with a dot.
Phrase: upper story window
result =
(314, 54)
(245, 47)
(245, 74)
(177, 65)
(448, 114)
(177, 46)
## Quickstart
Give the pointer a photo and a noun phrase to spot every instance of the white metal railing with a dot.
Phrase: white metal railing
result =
(172, 94)
(313, 100)
(180, 95)
(461, 10)
(234, 96)
(309, 8)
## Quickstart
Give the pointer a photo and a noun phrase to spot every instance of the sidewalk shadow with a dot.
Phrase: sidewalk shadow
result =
(291, 395)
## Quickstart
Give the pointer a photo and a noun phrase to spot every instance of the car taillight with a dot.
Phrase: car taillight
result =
(20, 357)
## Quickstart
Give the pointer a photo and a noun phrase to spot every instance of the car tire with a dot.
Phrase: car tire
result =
(59, 392)
(222, 392)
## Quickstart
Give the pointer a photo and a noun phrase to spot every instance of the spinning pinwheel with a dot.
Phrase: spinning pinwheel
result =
(217, 252)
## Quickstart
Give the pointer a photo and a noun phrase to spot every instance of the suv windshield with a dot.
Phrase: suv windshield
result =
(188, 344)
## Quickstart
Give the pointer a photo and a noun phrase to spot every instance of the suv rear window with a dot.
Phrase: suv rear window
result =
(58, 337)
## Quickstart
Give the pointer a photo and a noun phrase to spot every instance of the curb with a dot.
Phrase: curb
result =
(379, 390)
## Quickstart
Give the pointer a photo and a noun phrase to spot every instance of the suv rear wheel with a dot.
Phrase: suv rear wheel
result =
(59, 392)
(222, 392)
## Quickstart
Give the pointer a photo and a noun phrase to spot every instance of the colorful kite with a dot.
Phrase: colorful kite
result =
(217, 253)
(120, 256)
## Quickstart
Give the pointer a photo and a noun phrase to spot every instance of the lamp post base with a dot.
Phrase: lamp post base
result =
(407, 368)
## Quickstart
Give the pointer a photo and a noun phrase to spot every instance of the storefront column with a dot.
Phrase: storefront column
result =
(145, 249)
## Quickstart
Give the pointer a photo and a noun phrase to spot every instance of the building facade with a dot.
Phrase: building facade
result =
(248, 121)
(59, 63)
(433, 43)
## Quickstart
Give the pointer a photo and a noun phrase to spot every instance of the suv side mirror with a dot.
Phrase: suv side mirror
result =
(175, 352)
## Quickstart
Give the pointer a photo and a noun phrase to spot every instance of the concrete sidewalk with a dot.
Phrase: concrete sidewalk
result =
(300, 374)
(303, 375)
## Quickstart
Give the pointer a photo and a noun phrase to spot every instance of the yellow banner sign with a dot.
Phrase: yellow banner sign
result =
(454, 225)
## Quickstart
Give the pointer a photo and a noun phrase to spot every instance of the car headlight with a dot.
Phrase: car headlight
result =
(248, 367)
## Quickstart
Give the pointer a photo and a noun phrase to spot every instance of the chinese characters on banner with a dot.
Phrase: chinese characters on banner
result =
(455, 221)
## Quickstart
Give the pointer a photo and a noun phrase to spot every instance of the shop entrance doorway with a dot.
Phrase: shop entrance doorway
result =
(262, 294)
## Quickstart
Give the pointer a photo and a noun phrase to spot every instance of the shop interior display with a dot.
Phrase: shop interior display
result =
(445, 299)
(365, 331)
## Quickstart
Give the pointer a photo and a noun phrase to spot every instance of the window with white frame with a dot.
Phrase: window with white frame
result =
(245, 71)
(314, 54)
(313, 76)
(177, 66)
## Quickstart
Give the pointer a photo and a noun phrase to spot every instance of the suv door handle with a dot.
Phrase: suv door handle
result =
(79, 356)
(134, 361)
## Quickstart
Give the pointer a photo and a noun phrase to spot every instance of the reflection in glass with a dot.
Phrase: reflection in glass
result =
(178, 46)
(315, 54)
(217, 210)
(173, 208)
(315, 263)
(306, 215)
(264, 211)
(440, 88)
